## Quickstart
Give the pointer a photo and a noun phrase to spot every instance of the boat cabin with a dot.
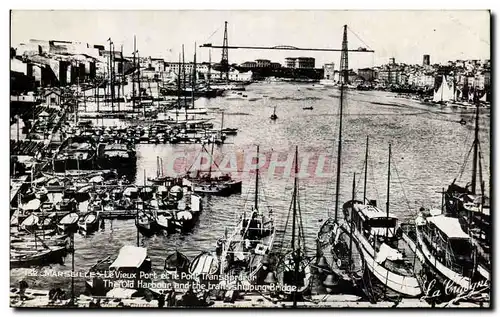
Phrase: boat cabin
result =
(373, 222)
(448, 242)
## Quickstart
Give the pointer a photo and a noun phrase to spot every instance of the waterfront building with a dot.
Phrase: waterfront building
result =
(329, 71)
(263, 63)
(249, 64)
(300, 62)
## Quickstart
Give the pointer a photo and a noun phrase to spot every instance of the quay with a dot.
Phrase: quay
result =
(40, 298)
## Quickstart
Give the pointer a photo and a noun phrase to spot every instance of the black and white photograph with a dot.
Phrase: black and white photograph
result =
(314, 159)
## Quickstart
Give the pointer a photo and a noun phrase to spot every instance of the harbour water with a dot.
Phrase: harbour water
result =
(429, 147)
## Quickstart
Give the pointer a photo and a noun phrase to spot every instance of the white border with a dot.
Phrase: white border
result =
(186, 5)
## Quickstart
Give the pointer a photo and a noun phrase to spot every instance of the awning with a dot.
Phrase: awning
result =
(130, 256)
(121, 293)
(370, 211)
(449, 226)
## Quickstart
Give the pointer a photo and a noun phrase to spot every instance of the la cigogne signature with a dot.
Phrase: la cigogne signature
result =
(432, 291)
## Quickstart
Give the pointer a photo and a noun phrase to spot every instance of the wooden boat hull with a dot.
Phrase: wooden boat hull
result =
(204, 263)
(89, 222)
(406, 285)
(45, 257)
(176, 263)
(441, 283)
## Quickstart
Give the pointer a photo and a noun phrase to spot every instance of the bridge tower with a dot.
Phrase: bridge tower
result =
(344, 62)
(225, 59)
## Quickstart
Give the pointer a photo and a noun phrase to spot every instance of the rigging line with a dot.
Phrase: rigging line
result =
(466, 141)
(454, 19)
(301, 229)
(194, 161)
(372, 174)
(462, 168)
(401, 183)
(359, 38)
(286, 226)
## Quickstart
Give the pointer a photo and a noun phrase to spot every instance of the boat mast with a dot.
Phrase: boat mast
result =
(133, 81)
(121, 85)
(157, 166)
(222, 123)
(295, 252)
(139, 82)
(179, 89)
(256, 203)
(476, 150)
(209, 68)
(352, 217)
(193, 81)
(211, 158)
(183, 76)
(343, 80)
(366, 171)
(388, 189)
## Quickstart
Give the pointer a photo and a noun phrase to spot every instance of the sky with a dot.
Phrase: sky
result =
(404, 35)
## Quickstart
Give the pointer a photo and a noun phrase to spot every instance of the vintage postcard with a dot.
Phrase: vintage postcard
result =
(250, 159)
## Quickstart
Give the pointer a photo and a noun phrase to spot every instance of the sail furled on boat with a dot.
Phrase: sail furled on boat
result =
(386, 252)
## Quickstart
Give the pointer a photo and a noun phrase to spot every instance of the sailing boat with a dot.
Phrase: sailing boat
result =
(160, 177)
(444, 93)
(274, 116)
(243, 252)
(378, 235)
(294, 268)
(222, 185)
(332, 237)
(473, 208)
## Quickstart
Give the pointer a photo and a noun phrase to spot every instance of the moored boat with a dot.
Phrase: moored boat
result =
(75, 153)
(69, 222)
(89, 222)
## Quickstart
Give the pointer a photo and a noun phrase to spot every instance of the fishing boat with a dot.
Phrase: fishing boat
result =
(471, 204)
(43, 256)
(164, 221)
(448, 254)
(89, 222)
(186, 212)
(176, 263)
(307, 108)
(204, 264)
(385, 253)
(146, 223)
(66, 204)
(230, 131)
(47, 219)
(69, 222)
(75, 153)
(243, 251)
(207, 183)
(274, 116)
(160, 177)
(339, 258)
(117, 155)
(30, 223)
(293, 269)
